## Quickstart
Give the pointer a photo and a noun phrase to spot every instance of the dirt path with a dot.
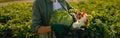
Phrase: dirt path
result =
(12, 2)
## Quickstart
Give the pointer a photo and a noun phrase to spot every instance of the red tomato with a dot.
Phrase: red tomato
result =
(78, 16)
(86, 22)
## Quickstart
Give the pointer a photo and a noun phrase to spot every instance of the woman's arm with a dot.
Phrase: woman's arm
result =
(36, 18)
(36, 25)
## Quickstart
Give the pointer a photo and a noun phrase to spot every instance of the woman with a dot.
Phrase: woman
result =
(42, 10)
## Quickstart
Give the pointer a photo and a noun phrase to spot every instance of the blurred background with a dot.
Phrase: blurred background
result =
(15, 18)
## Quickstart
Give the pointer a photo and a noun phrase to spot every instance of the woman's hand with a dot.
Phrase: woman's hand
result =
(44, 29)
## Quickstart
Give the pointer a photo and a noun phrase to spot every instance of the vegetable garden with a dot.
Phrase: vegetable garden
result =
(15, 19)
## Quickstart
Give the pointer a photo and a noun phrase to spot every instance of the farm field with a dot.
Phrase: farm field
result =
(15, 19)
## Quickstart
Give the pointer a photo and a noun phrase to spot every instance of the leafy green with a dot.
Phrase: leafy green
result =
(61, 17)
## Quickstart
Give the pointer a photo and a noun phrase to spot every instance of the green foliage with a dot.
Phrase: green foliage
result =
(15, 19)
(106, 11)
(8, 0)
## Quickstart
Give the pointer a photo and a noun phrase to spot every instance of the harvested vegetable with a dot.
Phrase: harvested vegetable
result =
(61, 17)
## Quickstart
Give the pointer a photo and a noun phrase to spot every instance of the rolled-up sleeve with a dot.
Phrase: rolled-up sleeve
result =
(36, 17)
